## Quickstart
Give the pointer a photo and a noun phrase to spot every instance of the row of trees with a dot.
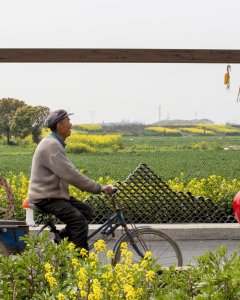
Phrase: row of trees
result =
(17, 119)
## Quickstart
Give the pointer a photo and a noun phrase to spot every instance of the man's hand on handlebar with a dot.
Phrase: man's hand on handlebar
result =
(109, 190)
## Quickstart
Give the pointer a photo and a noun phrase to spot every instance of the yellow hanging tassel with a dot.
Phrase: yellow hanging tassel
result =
(238, 97)
(227, 77)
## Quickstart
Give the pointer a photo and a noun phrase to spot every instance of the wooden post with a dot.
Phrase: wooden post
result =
(60, 55)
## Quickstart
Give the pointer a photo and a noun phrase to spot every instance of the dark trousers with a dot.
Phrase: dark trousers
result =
(75, 214)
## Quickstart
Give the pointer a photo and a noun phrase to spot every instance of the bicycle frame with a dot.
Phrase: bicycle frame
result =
(134, 236)
(106, 229)
(110, 226)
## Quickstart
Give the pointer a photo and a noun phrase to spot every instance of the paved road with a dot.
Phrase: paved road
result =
(191, 248)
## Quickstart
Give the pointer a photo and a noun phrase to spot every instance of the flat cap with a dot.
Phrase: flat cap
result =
(56, 116)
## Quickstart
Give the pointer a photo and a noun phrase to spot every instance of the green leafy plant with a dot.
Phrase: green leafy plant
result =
(46, 270)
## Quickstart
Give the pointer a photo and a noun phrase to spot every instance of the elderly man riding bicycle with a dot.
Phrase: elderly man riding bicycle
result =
(51, 174)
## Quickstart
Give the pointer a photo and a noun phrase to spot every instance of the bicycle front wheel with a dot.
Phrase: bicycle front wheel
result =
(162, 247)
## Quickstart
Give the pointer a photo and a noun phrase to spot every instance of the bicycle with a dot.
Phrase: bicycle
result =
(139, 239)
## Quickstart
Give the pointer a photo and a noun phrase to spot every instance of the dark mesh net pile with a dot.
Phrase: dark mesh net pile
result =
(145, 198)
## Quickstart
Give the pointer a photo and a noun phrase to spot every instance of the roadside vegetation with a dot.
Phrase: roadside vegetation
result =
(46, 270)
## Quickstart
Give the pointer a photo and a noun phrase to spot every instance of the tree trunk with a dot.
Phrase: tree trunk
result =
(36, 134)
(8, 136)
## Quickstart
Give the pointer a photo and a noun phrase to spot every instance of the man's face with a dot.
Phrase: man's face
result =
(64, 128)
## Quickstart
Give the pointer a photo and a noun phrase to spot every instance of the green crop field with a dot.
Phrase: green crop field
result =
(167, 156)
(167, 164)
(174, 143)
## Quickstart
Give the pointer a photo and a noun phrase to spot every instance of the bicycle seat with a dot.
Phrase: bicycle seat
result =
(35, 207)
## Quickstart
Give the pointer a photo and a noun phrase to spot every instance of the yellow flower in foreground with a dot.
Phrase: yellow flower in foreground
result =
(100, 246)
(108, 276)
(144, 264)
(115, 287)
(136, 266)
(93, 264)
(61, 296)
(73, 295)
(130, 279)
(110, 254)
(48, 267)
(50, 279)
(150, 276)
(92, 256)
(127, 257)
(83, 252)
(124, 246)
(91, 296)
(148, 255)
(130, 293)
(82, 274)
(71, 246)
(75, 262)
(83, 293)
(97, 292)
(139, 292)
(83, 279)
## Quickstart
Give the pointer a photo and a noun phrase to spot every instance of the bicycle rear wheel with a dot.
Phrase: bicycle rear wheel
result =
(162, 247)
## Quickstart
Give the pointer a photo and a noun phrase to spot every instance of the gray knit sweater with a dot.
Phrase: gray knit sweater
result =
(52, 172)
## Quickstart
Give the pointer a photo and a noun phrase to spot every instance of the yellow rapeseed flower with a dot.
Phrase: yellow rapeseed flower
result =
(148, 255)
(110, 254)
(75, 263)
(83, 252)
(100, 246)
(82, 274)
(139, 292)
(83, 293)
(83, 278)
(108, 276)
(115, 287)
(130, 278)
(91, 296)
(93, 265)
(100, 180)
(118, 267)
(97, 292)
(130, 293)
(71, 246)
(150, 276)
(48, 267)
(126, 256)
(61, 296)
(124, 246)
(136, 266)
(50, 279)
(92, 256)
(144, 264)
(73, 295)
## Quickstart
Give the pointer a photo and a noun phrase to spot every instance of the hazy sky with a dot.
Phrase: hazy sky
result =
(114, 92)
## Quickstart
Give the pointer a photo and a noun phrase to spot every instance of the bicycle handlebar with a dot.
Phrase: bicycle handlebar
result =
(110, 196)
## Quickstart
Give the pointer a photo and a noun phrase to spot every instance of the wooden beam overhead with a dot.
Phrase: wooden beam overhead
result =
(67, 55)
